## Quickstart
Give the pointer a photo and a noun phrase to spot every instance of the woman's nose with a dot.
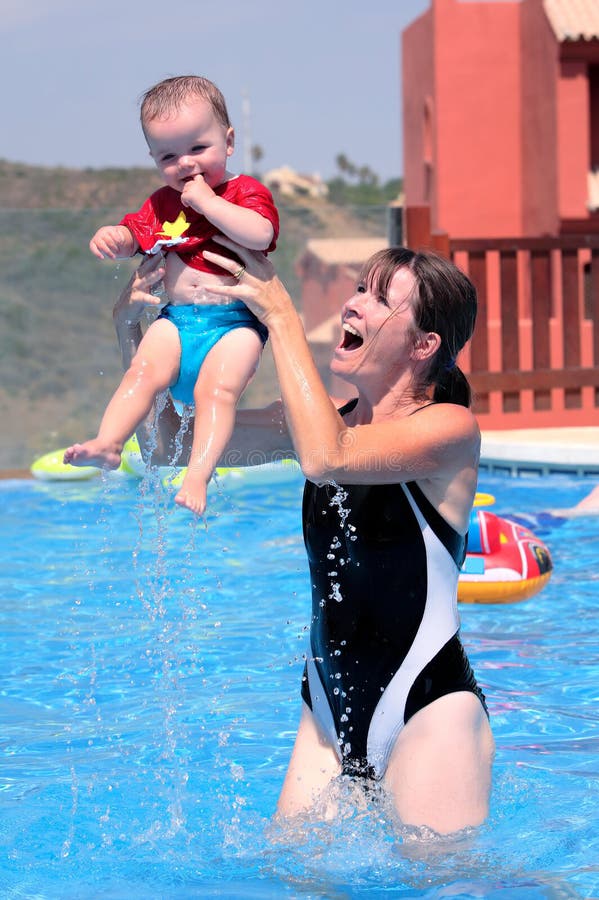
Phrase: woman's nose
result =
(354, 305)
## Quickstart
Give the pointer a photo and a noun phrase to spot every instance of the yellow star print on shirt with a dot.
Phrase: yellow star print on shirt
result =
(177, 228)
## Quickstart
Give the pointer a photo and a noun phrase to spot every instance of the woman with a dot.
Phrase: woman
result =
(388, 692)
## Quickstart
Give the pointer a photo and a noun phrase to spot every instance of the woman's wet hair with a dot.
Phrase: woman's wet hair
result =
(164, 99)
(445, 303)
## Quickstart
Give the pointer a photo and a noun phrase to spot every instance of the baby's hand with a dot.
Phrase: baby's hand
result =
(196, 193)
(114, 242)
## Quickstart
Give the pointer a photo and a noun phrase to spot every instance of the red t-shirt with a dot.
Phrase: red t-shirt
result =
(163, 217)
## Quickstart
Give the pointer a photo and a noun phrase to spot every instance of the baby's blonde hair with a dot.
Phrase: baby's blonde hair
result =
(167, 97)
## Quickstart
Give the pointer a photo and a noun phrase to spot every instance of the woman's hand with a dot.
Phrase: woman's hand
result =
(137, 296)
(134, 300)
(257, 282)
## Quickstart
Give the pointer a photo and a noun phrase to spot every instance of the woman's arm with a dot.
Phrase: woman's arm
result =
(260, 435)
(437, 442)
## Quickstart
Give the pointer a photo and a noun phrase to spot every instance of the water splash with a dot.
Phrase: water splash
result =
(337, 501)
(186, 418)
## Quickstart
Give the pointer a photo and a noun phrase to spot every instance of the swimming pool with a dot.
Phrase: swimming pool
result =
(150, 694)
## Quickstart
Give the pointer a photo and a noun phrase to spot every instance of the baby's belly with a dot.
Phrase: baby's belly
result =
(184, 285)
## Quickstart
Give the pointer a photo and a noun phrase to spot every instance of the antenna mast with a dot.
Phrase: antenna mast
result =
(247, 132)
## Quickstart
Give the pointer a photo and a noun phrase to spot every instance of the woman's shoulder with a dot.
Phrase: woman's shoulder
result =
(452, 417)
(444, 424)
(448, 432)
(455, 445)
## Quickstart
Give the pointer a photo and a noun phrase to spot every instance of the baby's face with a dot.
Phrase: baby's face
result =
(192, 142)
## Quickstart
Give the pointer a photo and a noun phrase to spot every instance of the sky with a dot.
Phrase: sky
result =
(305, 81)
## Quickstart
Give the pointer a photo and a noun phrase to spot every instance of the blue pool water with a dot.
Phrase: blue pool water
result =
(150, 694)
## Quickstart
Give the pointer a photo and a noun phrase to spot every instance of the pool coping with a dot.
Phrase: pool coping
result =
(541, 451)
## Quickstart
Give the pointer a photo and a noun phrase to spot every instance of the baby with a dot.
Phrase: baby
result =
(204, 348)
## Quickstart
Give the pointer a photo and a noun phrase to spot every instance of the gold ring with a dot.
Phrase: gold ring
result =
(239, 273)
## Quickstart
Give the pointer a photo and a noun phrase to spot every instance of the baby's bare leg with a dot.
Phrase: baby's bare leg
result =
(224, 375)
(153, 369)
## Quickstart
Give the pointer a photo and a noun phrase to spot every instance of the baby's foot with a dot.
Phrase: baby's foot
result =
(93, 453)
(193, 492)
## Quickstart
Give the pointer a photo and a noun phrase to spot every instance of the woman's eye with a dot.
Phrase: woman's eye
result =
(361, 289)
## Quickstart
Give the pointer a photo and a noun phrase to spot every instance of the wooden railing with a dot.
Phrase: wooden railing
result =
(534, 357)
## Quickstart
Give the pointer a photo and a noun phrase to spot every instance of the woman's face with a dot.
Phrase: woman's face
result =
(378, 332)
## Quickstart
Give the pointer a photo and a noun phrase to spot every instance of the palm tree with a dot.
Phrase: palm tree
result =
(344, 165)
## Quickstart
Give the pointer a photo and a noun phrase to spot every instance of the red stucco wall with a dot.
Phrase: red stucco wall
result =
(511, 112)
(573, 138)
(477, 89)
(463, 58)
(418, 66)
(325, 288)
(539, 52)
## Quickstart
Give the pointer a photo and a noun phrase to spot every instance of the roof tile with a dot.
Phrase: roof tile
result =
(573, 20)
(345, 251)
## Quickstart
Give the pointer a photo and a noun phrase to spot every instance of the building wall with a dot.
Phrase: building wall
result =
(501, 121)
(325, 288)
(418, 65)
(477, 89)
(539, 51)
(463, 60)
(573, 138)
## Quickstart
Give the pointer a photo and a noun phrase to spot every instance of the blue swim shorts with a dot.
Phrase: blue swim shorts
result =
(200, 327)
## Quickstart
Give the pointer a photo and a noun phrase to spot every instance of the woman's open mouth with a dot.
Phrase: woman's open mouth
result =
(351, 339)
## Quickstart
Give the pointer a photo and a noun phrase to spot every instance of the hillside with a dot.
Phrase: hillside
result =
(58, 357)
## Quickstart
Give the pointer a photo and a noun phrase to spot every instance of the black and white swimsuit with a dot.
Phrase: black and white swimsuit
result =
(384, 635)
